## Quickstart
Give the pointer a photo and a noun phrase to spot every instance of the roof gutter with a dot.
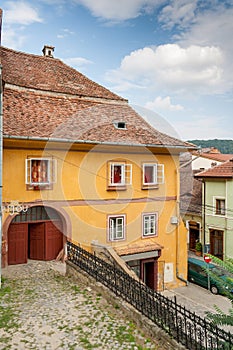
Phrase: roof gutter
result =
(55, 139)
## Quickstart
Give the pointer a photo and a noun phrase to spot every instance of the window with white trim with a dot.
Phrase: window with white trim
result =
(40, 172)
(149, 224)
(116, 228)
(220, 207)
(120, 174)
(152, 174)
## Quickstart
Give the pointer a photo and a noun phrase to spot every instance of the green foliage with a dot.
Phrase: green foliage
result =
(220, 317)
(224, 146)
(198, 247)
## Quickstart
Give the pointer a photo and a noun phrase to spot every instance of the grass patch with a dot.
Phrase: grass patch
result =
(7, 313)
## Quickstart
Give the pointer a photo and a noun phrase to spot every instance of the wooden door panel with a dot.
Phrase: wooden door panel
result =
(17, 243)
(53, 240)
(37, 241)
(216, 243)
(149, 273)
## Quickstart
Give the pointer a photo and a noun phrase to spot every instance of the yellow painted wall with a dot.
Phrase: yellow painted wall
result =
(77, 180)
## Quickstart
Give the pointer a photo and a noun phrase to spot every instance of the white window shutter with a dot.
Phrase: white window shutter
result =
(160, 173)
(111, 229)
(128, 174)
(28, 171)
(155, 173)
(111, 172)
(53, 170)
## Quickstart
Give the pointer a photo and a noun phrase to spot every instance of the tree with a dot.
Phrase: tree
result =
(220, 317)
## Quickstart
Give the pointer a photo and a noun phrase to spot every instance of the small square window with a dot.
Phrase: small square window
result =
(120, 175)
(150, 174)
(153, 174)
(220, 208)
(116, 228)
(40, 172)
(149, 225)
(117, 174)
(120, 125)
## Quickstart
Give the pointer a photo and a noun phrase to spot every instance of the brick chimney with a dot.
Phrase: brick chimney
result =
(48, 51)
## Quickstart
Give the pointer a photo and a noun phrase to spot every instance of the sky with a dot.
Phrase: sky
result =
(172, 59)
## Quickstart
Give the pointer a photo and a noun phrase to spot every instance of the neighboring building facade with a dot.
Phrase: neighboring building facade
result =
(80, 164)
(217, 193)
(190, 201)
(208, 158)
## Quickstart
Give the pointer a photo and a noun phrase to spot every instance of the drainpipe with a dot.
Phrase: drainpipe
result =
(178, 226)
(204, 214)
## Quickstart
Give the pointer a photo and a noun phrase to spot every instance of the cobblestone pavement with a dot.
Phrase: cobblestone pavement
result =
(41, 308)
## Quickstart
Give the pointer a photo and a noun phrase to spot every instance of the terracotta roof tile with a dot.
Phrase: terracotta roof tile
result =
(219, 157)
(45, 98)
(139, 247)
(224, 170)
(48, 74)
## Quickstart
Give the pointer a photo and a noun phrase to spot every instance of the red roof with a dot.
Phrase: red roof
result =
(48, 74)
(45, 98)
(218, 157)
(224, 170)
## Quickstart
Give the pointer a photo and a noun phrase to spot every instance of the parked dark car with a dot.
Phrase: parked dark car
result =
(197, 274)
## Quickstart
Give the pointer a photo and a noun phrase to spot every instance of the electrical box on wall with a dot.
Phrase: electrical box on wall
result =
(174, 220)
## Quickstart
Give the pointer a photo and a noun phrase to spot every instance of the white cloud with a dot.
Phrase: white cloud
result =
(13, 39)
(174, 68)
(17, 15)
(20, 12)
(203, 127)
(65, 32)
(163, 104)
(213, 28)
(77, 62)
(181, 12)
(121, 9)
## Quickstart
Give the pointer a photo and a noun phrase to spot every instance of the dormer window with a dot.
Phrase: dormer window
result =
(120, 125)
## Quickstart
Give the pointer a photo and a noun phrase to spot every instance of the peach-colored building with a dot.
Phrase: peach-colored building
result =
(80, 164)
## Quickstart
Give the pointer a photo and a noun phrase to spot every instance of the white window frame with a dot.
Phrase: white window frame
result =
(147, 220)
(126, 174)
(158, 174)
(116, 228)
(51, 171)
(222, 212)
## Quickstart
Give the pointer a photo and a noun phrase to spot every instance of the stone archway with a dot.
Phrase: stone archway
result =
(38, 234)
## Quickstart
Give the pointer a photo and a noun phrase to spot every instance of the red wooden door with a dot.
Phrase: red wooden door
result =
(37, 241)
(53, 240)
(17, 244)
(150, 274)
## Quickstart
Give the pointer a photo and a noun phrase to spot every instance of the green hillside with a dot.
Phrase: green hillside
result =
(224, 146)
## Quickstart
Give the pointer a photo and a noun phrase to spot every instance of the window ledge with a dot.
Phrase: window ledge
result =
(39, 187)
(117, 188)
(150, 187)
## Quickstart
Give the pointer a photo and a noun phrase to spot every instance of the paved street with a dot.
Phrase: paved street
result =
(41, 308)
(199, 300)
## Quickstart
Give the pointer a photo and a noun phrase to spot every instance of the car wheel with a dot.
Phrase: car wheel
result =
(214, 289)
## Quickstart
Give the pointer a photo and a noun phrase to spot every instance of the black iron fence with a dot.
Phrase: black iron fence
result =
(187, 328)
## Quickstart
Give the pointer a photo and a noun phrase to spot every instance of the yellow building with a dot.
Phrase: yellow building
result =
(80, 164)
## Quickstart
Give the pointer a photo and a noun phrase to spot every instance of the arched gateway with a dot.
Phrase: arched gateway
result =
(35, 234)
